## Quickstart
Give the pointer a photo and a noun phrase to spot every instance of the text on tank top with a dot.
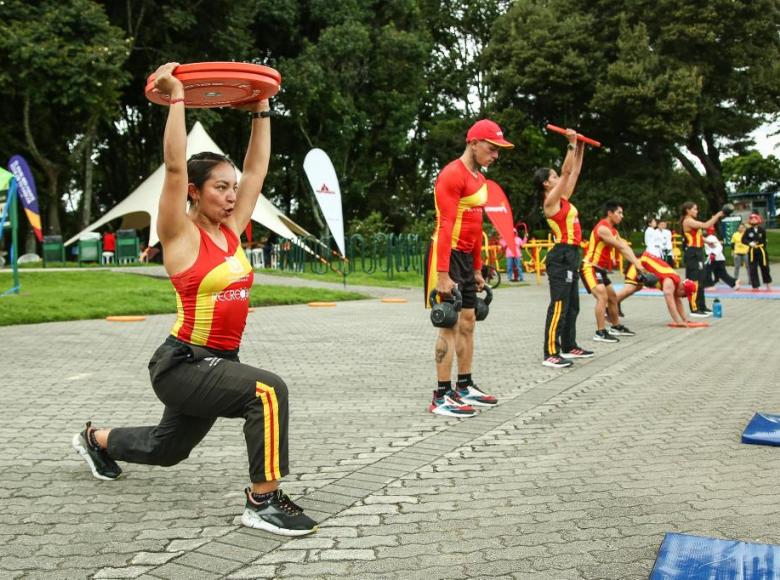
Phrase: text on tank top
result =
(212, 295)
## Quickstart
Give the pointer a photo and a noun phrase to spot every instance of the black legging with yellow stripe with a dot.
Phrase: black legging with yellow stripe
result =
(560, 329)
(197, 385)
(694, 270)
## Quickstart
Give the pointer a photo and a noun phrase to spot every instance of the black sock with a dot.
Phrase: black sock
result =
(443, 387)
(464, 381)
(261, 497)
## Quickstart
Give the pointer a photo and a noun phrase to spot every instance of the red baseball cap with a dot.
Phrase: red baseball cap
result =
(690, 287)
(487, 130)
(755, 217)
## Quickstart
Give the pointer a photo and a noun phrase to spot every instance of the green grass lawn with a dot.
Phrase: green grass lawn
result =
(57, 296)
(400, 280)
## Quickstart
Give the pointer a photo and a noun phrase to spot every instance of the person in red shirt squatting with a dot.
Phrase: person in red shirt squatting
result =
(598, 259)
(455, 259)
(196, 372)
(563, 260)
(659, 273)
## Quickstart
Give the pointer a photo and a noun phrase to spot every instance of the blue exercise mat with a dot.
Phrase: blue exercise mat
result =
(684, 557)
(763, 429)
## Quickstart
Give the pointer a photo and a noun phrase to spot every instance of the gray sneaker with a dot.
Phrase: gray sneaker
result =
(604, 336)
(278, 515)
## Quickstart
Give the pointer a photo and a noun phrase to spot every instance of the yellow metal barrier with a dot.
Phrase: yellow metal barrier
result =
(536, 252)
(490, 253)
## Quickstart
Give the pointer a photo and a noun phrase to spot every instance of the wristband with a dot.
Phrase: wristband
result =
(174, 101)
(261, 114)
(570, 147)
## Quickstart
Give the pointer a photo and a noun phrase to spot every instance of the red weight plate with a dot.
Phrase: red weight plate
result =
(224, 67)
(210, 89)
(221, 67)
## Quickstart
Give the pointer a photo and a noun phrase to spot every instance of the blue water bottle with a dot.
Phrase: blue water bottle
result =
(717, 309)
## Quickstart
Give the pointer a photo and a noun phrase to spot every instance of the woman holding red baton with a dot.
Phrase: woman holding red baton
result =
(563, 260)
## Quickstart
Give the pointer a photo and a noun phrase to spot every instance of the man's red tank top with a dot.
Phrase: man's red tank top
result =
(212, 295)
(599, 252)
(565, 224)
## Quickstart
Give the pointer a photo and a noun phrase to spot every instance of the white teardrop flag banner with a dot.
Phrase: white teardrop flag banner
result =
(322, 178)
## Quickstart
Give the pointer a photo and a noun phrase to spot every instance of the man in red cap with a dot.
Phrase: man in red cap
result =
(455, 258)
(660, 274)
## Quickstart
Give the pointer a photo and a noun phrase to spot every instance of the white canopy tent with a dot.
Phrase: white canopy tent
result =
(139, 209)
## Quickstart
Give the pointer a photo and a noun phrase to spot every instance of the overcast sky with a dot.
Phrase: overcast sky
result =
(767, 143)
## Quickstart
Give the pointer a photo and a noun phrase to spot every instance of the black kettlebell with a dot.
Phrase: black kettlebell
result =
(445, 314)
(482, 309)
(649, 279)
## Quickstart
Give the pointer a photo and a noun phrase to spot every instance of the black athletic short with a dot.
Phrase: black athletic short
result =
(592, 276)
(461, 272)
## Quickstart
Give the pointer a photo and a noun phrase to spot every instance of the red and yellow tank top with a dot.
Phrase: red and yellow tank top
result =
(459, 196)
(565, 224)
(599, 252)
(693, 238)
(212, 295)
(655, 265)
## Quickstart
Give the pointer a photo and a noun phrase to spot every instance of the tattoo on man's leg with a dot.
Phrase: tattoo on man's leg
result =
(441, 349)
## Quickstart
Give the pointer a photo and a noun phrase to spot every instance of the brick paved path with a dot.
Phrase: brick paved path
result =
(577, 474)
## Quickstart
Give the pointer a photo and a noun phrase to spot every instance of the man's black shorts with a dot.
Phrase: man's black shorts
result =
(461, 272)
(592, 276)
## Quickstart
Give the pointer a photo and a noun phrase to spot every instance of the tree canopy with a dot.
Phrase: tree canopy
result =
(389, 89)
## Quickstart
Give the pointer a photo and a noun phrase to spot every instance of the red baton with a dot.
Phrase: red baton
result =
(582, 138)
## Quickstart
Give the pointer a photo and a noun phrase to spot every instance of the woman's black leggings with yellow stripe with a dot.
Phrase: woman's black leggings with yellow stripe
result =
(197, 386)
(563, 272)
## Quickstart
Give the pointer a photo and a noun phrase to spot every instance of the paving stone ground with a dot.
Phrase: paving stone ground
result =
(578, 473)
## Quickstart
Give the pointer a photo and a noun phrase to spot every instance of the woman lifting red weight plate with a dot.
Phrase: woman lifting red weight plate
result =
(220, 84)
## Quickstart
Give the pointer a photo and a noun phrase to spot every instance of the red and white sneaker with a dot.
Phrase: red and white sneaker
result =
(556, 362)
(471, 395)
(577, 352)
(450, 405)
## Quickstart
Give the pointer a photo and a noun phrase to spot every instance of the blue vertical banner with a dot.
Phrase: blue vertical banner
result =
(27, 193)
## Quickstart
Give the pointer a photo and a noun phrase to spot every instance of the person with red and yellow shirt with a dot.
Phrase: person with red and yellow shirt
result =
(563, 260)
(603, 240)
(196, 372)
(693, 257)
(658, 273)
(455, 258)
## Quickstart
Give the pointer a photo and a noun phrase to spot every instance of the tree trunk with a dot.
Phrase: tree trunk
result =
(86, 198)
(29, 242)
(53, 201)
(713, 186)
(51, 169)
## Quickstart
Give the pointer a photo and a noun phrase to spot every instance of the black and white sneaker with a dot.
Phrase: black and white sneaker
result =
(101, 465)
(577, 352)
(556, 362)
(700, 314)
(620, 330)
(278, 515)
(604, 336)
